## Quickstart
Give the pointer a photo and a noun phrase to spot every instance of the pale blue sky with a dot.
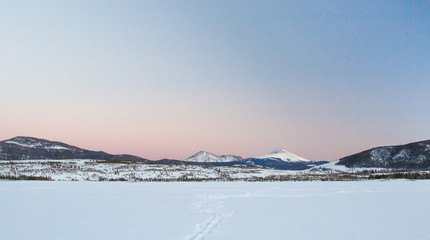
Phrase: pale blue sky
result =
(323, 79)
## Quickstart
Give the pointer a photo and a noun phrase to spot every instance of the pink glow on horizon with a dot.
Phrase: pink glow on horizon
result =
(165, 79)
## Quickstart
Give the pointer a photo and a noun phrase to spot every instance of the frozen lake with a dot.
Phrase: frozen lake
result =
(215, 210)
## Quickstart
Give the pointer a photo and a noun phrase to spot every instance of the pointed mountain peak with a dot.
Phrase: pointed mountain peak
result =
(278, 150)
(284, 155)
(202, 152)
(199, 154)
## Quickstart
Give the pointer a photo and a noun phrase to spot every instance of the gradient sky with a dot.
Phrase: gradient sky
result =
(165, 79)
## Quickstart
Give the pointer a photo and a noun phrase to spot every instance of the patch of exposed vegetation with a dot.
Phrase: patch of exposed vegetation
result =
(25, 177)
(402, 175)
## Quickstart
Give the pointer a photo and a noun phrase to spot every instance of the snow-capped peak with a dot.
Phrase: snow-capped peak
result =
(284, 155)
(278, 150)
(203, 156)
(200, 156)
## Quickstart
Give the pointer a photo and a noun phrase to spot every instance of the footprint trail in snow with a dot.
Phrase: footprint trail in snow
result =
(213, 206)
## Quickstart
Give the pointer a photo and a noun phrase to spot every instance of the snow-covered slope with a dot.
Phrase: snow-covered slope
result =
(203, 156)
(284, 155)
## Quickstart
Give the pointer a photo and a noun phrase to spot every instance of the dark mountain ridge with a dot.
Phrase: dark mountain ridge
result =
(408, 156)
(29, 148)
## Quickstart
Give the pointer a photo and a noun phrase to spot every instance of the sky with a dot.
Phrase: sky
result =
(165, 79)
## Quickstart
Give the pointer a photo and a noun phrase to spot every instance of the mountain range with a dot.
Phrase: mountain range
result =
(28, 148)
(409, 156)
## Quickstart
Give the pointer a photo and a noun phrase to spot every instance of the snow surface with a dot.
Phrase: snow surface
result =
(214, 210)
(333, 166)
(341, 168)
(284, 155)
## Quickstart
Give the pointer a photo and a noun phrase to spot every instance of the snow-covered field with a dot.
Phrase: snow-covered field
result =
(396, 209)
(100, 170)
